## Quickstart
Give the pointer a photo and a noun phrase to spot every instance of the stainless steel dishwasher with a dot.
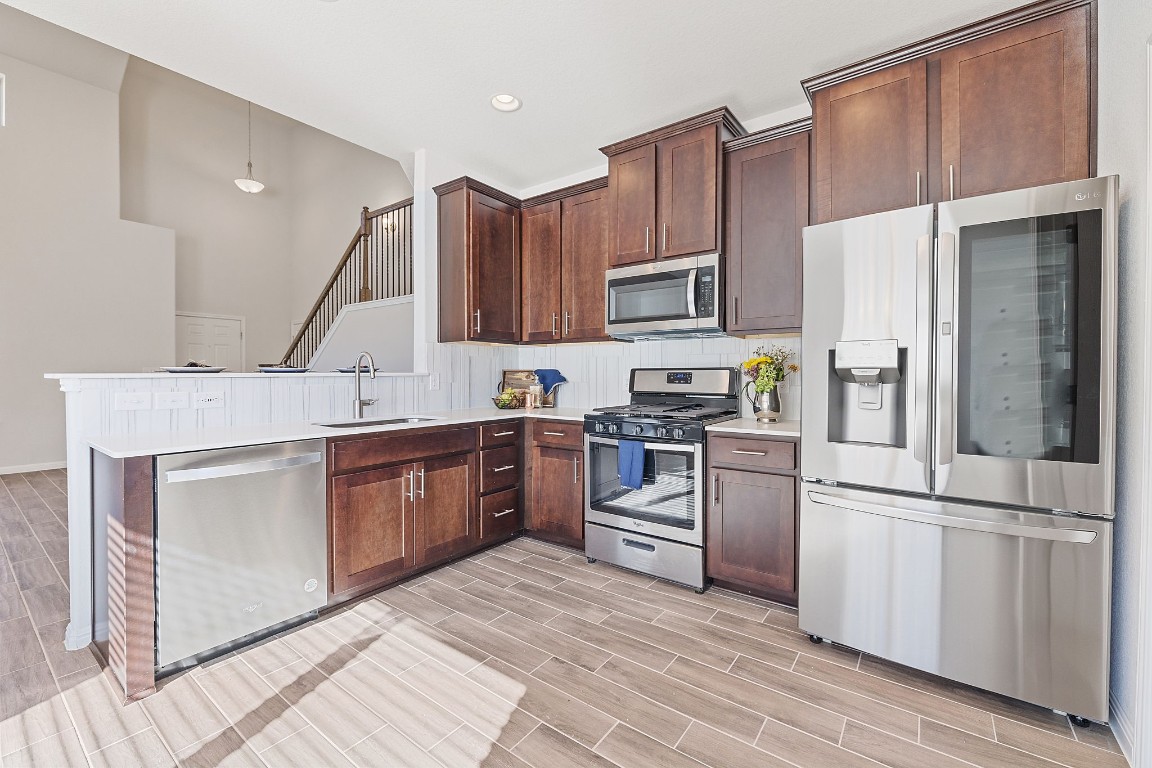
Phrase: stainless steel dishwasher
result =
(240, 545)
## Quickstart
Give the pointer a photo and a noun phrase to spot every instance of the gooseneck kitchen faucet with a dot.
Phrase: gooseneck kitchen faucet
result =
(359, 403)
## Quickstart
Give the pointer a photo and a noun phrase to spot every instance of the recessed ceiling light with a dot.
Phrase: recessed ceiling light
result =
(505, 102)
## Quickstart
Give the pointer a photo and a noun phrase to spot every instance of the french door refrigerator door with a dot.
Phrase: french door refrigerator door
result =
(867, 350)
(1026, 340)
(1009, 601)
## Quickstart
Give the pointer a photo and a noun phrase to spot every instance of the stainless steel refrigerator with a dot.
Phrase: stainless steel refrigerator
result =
(958, 439)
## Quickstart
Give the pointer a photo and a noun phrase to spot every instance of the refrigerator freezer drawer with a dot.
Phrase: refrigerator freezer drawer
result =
(1012, 602)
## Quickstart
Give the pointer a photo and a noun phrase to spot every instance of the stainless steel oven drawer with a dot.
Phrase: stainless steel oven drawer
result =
(670, 560)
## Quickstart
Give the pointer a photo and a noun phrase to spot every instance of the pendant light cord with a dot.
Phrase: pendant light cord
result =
(249, 139)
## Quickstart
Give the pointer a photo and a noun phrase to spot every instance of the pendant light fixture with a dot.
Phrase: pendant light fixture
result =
(249, 184)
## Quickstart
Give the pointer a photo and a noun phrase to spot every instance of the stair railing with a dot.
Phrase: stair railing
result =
(377, 264)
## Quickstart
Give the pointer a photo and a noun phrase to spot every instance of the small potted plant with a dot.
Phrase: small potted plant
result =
(765, 371)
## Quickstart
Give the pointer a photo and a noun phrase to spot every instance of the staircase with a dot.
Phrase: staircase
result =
(377, 264)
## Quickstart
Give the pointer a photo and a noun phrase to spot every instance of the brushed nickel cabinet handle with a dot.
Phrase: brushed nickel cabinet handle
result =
(737, 301)
(505, 512)
(477, 321)
(555, 434)
(645, 239)
(555, 319)
(715, 489)
(951, 182)
(575, 469)
(917, 187)
(664, 244)
(411, 484)
(504, 469)
(750, 453)
(421, 482)
(567, 319)
(503, 434)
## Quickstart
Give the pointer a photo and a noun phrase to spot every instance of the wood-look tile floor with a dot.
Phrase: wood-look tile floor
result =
(523, 655)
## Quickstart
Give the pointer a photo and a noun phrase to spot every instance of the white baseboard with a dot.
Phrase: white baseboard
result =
(32, 467)
(77, 637)
(1122, 729)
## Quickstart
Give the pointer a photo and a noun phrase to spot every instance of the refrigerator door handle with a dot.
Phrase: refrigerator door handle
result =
(946, 328)
(923, 351)
(953, 521)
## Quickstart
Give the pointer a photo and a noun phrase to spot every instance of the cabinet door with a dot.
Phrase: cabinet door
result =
(1014, 108)
(632, 206)
(767, 209)
(494, 269)
(752, 530)
(540, 260)
(584, 226)
(372, 526)
(688, 181)
(558, 493)
(871, 143)
(446, 491)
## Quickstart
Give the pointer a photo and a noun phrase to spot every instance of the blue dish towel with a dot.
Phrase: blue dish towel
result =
(549, 378)
(631, 464)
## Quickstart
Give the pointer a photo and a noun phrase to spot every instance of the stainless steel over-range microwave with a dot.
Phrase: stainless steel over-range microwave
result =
(671, 298)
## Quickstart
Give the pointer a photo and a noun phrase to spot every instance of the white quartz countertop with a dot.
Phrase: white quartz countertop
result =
(156, 443)
(221, 375)
(752, 427)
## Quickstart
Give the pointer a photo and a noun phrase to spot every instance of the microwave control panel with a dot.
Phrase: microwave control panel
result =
(706, 292)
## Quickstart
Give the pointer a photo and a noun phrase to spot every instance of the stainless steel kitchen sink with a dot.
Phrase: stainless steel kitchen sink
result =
(385, 422)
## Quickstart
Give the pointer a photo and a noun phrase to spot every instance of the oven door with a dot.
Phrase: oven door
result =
(678, 295)
(668, 505)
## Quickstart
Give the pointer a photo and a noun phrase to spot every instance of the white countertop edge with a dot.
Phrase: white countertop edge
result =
(158, 443)
(222, 375)
(752, 427)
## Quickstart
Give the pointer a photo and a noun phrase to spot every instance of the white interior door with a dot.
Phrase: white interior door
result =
(211, 339)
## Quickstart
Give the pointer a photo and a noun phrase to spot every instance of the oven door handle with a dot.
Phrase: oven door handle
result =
(672, 447)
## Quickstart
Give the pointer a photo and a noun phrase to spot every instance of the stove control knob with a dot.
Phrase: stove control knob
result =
(613, 428)
(637, 430)
(678, 433)
(603, 426)
(661, 431)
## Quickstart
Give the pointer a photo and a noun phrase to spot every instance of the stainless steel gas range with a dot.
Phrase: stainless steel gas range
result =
(644, 471)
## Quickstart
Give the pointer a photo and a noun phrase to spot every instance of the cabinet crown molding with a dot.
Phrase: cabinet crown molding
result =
(768, 134)
(569, 191)
(467, 182)
(940, 42)
(720, 115)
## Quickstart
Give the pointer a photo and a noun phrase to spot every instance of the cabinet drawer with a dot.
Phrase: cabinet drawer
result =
(499, 468)
(500, 433)
(561, 434)
(400, 448)
(751, 454)
(500, 514)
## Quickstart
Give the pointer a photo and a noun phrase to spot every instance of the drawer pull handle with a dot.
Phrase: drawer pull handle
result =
(505, 512)
(503, 434)
(555, 434)
(639, 545)
(504, 469)
(750, 453)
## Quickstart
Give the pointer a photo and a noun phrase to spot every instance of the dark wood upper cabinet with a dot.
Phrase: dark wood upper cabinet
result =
(1004, 103)
(540, 264)
(1014, 107)
(479, 270)
(664, 189)
(632, 205)
(446, 491)
(871, 143)
(688, 182)
(766, 205)
(584, 230)
(372, 527)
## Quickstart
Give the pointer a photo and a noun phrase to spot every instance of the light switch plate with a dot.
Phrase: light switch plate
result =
(208, 400)
(433, 381)
(170, 400)
(132, 401)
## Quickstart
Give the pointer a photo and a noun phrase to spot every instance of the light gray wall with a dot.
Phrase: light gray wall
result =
(80, 290)
(264, 257)
(1125, 30)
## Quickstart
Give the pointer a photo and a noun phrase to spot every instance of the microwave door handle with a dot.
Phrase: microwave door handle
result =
(692, 292)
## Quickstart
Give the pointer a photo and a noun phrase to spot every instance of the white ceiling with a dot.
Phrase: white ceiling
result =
(399, 75)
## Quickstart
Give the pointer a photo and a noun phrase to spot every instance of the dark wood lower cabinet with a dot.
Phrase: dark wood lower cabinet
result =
(371, 527)
(558, 495)
(752, 519)
(446, 520)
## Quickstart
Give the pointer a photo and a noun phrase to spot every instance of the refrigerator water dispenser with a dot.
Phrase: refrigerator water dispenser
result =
(867, 392)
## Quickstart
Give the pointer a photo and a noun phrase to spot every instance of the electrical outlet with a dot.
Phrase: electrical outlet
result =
(133, 401)
(208, 400)
(433, 381)
(170, 400)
